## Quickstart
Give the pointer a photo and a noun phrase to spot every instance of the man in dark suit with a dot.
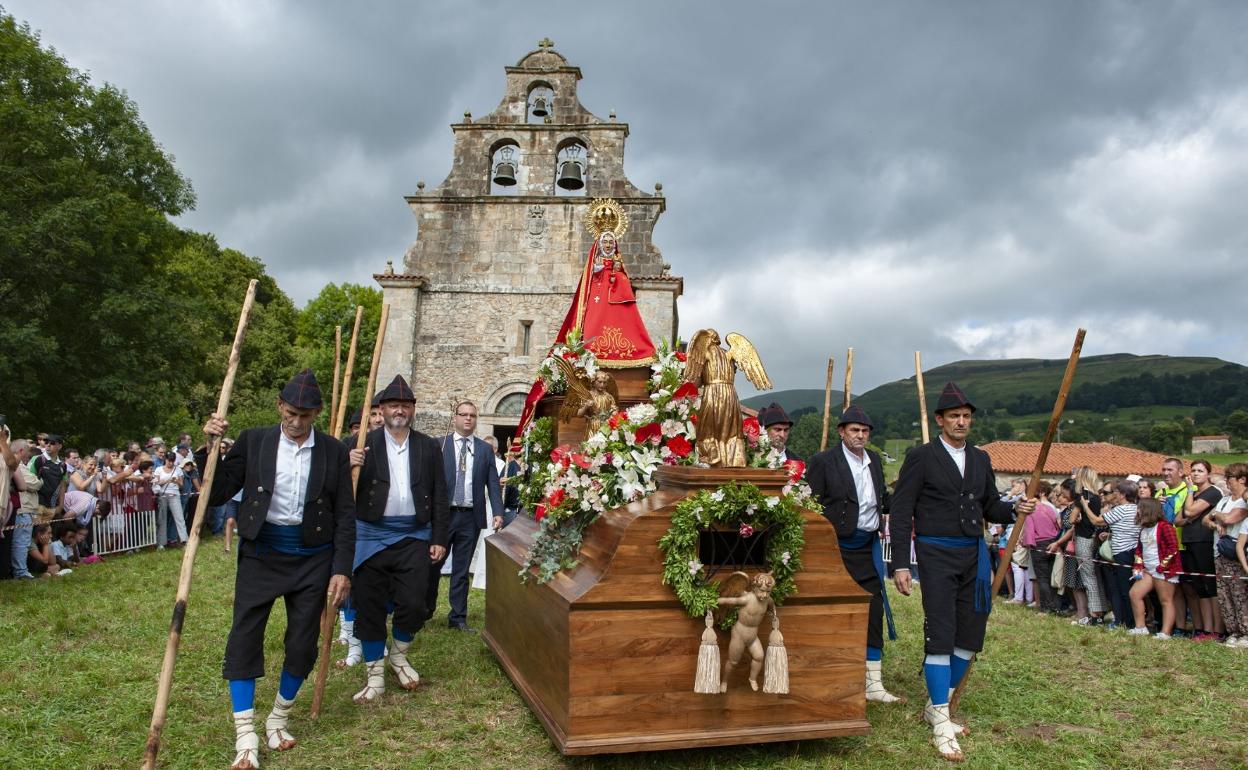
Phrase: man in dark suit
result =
(945, 492)
(401, 527)
(848, 481)
(776, 422)
(296, 525)
(472, 478)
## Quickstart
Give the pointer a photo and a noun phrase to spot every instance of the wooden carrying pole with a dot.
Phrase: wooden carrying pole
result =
(918, 376)
(333, 403)
(327, 617)
(161, 707)
(849, 378)
(345, 392)
(827, 404)
(1032, 485)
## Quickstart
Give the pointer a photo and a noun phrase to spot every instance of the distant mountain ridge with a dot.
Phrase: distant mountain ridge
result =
(1016, 382)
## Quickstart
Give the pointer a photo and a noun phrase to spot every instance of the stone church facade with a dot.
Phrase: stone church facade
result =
(500, 246)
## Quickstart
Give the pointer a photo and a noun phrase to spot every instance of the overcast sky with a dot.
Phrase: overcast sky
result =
(968, 179)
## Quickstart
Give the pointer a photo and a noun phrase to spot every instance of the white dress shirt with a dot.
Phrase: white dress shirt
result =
(958, 455)
(399, 502)
(868, 506)
(290, 483)
(459, 447)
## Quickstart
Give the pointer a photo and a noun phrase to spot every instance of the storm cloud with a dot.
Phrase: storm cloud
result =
(973, 180)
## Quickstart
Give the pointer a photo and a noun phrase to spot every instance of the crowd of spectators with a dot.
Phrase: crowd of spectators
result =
(1165, 558)
(60, 509)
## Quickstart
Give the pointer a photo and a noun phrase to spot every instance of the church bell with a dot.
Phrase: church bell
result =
(541, 108)
(570, 177)
(505, 170)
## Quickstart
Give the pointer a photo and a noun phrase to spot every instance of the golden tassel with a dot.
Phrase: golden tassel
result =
(776, 676)
(707, 679)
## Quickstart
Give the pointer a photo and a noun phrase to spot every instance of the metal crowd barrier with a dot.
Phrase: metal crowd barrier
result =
(120, 531)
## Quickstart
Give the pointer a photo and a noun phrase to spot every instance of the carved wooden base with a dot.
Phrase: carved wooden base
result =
(605, 655)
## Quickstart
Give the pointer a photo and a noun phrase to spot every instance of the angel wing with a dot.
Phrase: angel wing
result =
(614, 390)
(742, 352)
(578, 393)
(697, 354)
(734, 585)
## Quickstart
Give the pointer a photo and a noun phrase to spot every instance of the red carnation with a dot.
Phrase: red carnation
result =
(680, 446)
(539, 512)
(651, 432)
(681, 356)
(686, 390)
(556, 498)
(568, 355)
(745, 531)
(581, 460)
(750, 427)
(617, 419)
(796, 469)
(693, 418)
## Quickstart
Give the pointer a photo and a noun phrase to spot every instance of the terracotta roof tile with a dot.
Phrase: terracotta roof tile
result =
(1105, 459)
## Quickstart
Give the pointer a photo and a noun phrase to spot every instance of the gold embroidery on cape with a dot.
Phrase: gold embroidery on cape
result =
(611, 342)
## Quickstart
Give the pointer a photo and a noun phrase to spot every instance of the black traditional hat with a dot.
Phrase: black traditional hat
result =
(356, 418)
(302, 392)
(951, 398)
(773, 414)
(376, 402)
(855, 414)
(397, 390)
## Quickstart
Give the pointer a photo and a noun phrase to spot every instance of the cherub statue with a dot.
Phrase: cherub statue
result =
(713, 369)
(753, 605)
(595, 398)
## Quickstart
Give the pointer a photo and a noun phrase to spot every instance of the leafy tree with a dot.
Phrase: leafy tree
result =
(335, 306)
(1166, 436)
(1237, 423)
(804, 438)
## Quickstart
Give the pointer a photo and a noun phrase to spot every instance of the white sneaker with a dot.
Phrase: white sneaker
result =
(1161, 636)
(65, 572)
(1138, 632)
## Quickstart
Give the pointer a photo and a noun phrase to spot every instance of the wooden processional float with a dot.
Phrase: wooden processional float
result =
(606, 655)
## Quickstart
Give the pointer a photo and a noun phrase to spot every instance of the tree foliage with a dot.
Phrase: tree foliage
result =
(335, 306)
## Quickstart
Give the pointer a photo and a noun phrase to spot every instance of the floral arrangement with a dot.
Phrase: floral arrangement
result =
(744, 508)
(569, 487)
(572, 350)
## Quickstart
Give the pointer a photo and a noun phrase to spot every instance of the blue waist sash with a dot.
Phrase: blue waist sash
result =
(983, 569)
(863, 538)
(286, 538)
(373, 537)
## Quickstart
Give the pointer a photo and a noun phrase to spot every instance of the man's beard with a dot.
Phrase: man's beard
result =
(398, 421)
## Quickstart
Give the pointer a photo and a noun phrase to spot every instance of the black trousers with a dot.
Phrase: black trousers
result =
(861, 568)
(1198, 557)
(399, 572)
(463, 543)
(1042, 571)
(302, 583)
(949, 617)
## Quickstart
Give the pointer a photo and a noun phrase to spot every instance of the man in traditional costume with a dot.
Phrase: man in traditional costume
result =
(848, 481)
(402, 520)
(604, 309)
(778, 424)
(296, 524)
(945, 492)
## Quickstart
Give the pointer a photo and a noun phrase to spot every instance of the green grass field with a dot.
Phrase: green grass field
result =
(79, 658)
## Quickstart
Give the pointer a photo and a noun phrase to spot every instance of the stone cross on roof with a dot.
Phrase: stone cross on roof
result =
(545, 43)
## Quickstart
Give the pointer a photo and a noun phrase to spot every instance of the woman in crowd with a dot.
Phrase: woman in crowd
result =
(1124, 535)
(40, 560)
(1229, 515)
(1065, 544)
(1040, 530)
(1020, 560)
(167, 484)
(1200, 591)
(1088, 500)
(1147, 488)
(1156, 567)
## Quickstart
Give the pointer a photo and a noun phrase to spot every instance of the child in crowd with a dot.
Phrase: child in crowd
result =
(39, 559)
(1156, 566)
(65, 549)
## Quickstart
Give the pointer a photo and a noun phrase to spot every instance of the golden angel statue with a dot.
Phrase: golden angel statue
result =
(594, 398)
(713, 369)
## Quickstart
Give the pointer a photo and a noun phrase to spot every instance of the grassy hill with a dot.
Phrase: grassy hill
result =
(993, 384)
(793, 400)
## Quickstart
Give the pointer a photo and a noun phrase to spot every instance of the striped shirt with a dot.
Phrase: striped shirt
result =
(1124, 533)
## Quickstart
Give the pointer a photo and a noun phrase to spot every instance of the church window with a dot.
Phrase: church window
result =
(504, 167)
(526, 337)
(541, 103)
(571, 165)
(511, 405)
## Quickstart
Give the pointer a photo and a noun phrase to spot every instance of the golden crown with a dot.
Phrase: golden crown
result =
(606, 214)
